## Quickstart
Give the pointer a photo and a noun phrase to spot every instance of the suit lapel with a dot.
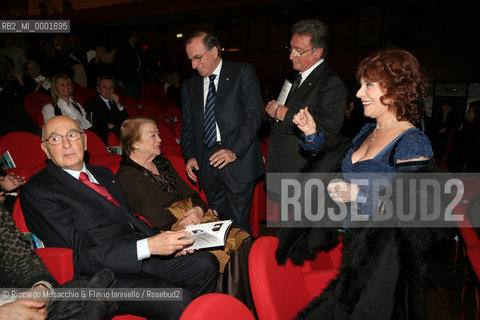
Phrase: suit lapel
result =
(109, 185)
(197, 91)
(76, 187)
(223, 80)
(105, 108)
(307, 84)
(116, 192)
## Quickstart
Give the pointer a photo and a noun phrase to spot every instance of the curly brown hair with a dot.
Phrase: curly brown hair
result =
(400, 77)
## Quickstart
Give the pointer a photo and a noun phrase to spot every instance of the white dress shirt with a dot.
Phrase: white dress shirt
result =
(206, 84)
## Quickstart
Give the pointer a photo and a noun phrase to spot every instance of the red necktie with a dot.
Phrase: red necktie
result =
(100, 189)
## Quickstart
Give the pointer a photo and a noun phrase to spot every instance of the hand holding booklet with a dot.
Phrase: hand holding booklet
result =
(208, 235)
(282, 96)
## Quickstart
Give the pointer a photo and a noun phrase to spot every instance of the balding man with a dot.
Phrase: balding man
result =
(73, 205)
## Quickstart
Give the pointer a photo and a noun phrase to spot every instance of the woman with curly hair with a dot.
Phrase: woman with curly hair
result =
(382, 273)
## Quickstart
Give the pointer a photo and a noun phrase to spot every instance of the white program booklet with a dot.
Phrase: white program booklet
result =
(208, 235)
(282, 97)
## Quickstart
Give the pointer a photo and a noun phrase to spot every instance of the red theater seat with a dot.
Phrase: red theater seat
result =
(280, 292)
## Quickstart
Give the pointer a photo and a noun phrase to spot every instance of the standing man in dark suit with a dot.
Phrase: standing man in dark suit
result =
(129, 66)
(105, 110)
(72, 205)
(317, 87)
(221, 116)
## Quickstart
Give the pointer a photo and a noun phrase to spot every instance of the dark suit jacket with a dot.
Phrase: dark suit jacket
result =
(238, 115)
(101, 116)
(323, 92)
(127, 63)
(64, 212)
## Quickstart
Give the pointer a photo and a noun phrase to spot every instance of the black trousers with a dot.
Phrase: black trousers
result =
(231, 199)
(195, 273)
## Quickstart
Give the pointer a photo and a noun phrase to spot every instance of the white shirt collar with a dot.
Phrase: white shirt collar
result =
(307, 72)
(216, 71)
(107, 101)
(104, 99)
(76, 174)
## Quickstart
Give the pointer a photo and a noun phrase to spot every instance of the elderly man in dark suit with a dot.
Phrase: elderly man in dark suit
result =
(317, 87)
(105, 110)
(221, 116)
(73, 205)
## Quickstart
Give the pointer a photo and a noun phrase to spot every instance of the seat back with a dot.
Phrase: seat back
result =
(113, 140)
(155, 113)
(18, 218)
(33, 104)
(216, 306)
(280, 292)
(24, 148)
(174, 112)
(156, 93)
(82, 93)
(129, 102)
(95, 146)
(179, 165)
(169, 142)
(148, 102)
(59, 261)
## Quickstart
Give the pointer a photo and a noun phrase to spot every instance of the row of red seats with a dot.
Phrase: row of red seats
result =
(469, 239)
(59, 262)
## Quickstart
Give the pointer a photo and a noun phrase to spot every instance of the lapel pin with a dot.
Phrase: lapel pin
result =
(228, 79)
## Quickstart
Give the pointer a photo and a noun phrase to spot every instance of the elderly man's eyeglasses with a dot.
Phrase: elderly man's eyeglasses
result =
(57, 139)
(198, 57)
(297, 53)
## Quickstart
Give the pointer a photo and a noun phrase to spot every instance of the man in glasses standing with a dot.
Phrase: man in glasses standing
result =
(221, 108)
(317, 87)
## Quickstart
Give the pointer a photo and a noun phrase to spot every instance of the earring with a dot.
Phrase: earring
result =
(136, 147)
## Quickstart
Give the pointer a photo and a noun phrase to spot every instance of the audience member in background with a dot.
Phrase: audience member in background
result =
(78, 60)
(105, 57)
(129, 67)
(15, 53)
(58, 58)
(465, 154)
(13, 116)
(174, 92)
(443, 125)
(33, 80)
(63, 103)
(105, 110)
